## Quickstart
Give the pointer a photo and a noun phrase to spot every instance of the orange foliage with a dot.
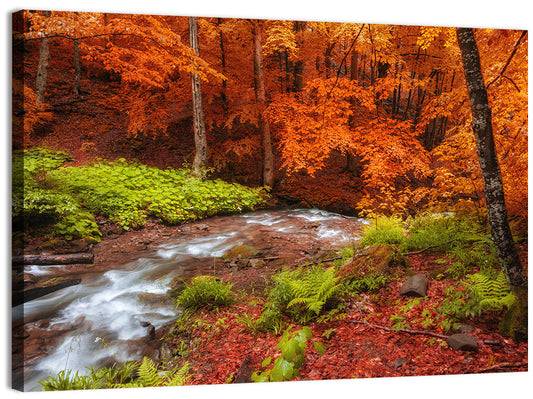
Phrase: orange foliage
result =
(392, 98)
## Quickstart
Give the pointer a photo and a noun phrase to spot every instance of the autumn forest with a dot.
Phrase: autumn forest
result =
(412, 141)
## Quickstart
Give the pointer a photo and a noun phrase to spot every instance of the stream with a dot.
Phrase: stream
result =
(104, 318)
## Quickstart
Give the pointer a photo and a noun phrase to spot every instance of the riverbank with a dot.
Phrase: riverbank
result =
(283, 237)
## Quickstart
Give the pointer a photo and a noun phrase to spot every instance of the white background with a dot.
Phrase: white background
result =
(512, 14)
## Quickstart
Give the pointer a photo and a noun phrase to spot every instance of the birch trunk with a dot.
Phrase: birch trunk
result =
(260, 95)
(42, 69)
(493, 185)
(200, 140)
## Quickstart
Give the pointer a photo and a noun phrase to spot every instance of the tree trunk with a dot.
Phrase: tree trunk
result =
(260, 96)
(200, 140)
(77, 72)
(298, 69)
(42, 69)
(493, 185)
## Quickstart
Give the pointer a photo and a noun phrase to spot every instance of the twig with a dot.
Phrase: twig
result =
(524, 33)
(501, 366)
(325, 260)
(419, 332)
(444, 243)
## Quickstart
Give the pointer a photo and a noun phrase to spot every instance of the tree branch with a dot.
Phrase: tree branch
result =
(524, 33)
(405, 330)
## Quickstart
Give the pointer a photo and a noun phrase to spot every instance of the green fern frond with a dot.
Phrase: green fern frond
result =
(148, 374)
(178, 375)
(493, 293)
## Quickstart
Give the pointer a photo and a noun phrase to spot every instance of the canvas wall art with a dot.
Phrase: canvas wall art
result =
(208, 201)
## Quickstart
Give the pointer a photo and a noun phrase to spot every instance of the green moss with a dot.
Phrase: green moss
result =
(241, 251)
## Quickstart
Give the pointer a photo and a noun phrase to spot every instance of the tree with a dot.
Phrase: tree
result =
(268, 159)
(200, 141)
(516, 320)
(44, 61)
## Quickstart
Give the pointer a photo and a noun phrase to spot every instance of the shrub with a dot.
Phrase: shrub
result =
(63, 200)
(383, 230)
(205, 291)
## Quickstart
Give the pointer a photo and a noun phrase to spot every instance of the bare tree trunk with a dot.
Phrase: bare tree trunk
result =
(516, 323)
(298, 70)
(260, 95)
(42, 69)
(200, 140)
(77, 72)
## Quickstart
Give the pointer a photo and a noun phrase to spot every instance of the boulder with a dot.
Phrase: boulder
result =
(462, 342)
(415, 286)
(380, 259)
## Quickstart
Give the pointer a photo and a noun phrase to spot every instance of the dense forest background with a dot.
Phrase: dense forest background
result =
(361, 118)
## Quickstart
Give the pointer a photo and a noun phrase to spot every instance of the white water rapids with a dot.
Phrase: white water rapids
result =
(110, 306)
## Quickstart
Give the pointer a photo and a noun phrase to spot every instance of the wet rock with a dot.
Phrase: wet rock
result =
(244, 374)
(415, 286)
(256, 263)
(462, 342)
(202, 227)
(241, 251)
(312, 225)
(156, 299)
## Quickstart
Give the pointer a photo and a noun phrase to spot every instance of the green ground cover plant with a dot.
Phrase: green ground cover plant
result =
(63, 201)
(205, 291)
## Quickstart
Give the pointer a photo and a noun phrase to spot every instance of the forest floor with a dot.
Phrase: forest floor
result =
(358, 344)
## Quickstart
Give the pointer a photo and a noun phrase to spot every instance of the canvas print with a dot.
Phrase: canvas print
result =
(205, 200)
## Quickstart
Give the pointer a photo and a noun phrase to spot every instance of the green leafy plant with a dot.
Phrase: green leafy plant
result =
(441, 232)
(127, 375)
(383, 230)
(491, 292)
(287, 366)
(369, 283)
(303, 293)
(205, 291)
(127, 192)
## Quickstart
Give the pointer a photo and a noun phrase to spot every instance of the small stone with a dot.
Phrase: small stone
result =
(256, 263)
(463, 342)
(415, 286)
(399, 362)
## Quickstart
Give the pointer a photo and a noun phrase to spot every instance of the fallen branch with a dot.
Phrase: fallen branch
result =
(501, 366)
(66, 259)
(405, 330)
(324, 260)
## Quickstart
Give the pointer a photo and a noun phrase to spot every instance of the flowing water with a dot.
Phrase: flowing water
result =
(111, 307)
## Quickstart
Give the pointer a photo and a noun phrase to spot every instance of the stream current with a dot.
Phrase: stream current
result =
(101, 320)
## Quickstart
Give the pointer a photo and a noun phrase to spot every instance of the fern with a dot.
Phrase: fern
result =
(308, 291)
(129, 375)
(148, 374)
(492, 293)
